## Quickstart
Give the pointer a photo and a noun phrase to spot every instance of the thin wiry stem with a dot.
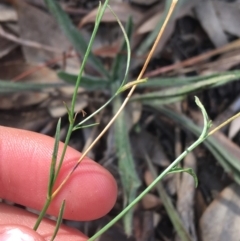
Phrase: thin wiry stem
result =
(174, 2)
(223, 124)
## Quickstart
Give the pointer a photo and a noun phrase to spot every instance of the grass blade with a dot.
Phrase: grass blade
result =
(178, 81)
(59, 220)
(186, 89)
(127, 169)
(88, 82)
(121, 59)
(7, 86)
(54, 159)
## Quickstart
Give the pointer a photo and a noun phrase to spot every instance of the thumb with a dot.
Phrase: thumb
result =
(18, 233)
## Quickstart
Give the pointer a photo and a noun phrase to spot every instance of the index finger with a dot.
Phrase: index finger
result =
(25, 159)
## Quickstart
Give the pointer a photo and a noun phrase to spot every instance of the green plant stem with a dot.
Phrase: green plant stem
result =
(41, 215)
(74, 98)
(67, 139)
(71, 111)
(159, 178)
(84, 61)
(202, 137)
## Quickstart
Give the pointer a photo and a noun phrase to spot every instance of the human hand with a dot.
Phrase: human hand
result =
(25, 159)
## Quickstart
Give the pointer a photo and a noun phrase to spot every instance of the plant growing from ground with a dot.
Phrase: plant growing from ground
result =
(117, 87)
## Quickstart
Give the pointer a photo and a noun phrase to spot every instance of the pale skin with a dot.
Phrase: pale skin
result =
(25, 160)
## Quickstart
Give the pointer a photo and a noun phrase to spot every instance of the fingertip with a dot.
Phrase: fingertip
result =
(25, 159)
(90, 192)
(18, 233)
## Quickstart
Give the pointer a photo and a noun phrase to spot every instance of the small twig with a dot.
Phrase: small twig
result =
(196, 59)
(223, 124)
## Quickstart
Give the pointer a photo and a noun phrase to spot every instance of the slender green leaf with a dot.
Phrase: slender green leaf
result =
(160, 101)
(86, 126)
(88, 82)
(59, 220)
(229, 162)
(186, 89)
(159, 177)
(127, 169)
(7, 86)
(74, 35)
(179, 81)
(54, 159)
(187, 170)
(122, 59)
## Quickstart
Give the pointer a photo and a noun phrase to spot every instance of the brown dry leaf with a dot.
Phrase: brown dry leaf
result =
(150, 201)
(234, 128)
(143, 143)
(229, 112)
(220, 221)
(150, 20)
(122, 10)
(33, 119)
(186, 193)
(58, 109)
(7, 13)
(144, 226)
(225, 62)
(6, 46)
(153, 17)
(38, 26)
(229, 15)
(229, 146)
(133, 111)
(144, 2)
(18, 100)
(148, 178)
(207, 16)
(107, 51)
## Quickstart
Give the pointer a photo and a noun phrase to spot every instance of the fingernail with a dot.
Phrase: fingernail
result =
(18, 233)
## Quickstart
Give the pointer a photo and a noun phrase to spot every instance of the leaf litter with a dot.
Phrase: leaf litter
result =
(39, 62)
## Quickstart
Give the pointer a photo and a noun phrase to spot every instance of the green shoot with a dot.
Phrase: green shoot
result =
(203, 136)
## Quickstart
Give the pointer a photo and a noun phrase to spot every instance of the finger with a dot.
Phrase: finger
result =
(25, 159)
(11, 217)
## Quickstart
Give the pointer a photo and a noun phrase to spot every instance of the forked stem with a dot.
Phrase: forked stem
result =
(202, 137)
(173, 4)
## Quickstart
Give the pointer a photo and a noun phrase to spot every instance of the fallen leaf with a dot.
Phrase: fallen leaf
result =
(220, 221)
(6, 47)
(57, 108)
(150, 201)
(144, 142)
(186, 193)
(7, 13)
(38, 26)
(18, 100)
(229, 15)
(144, 2)
(234, 128)
(209, 20)
(122, 10)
